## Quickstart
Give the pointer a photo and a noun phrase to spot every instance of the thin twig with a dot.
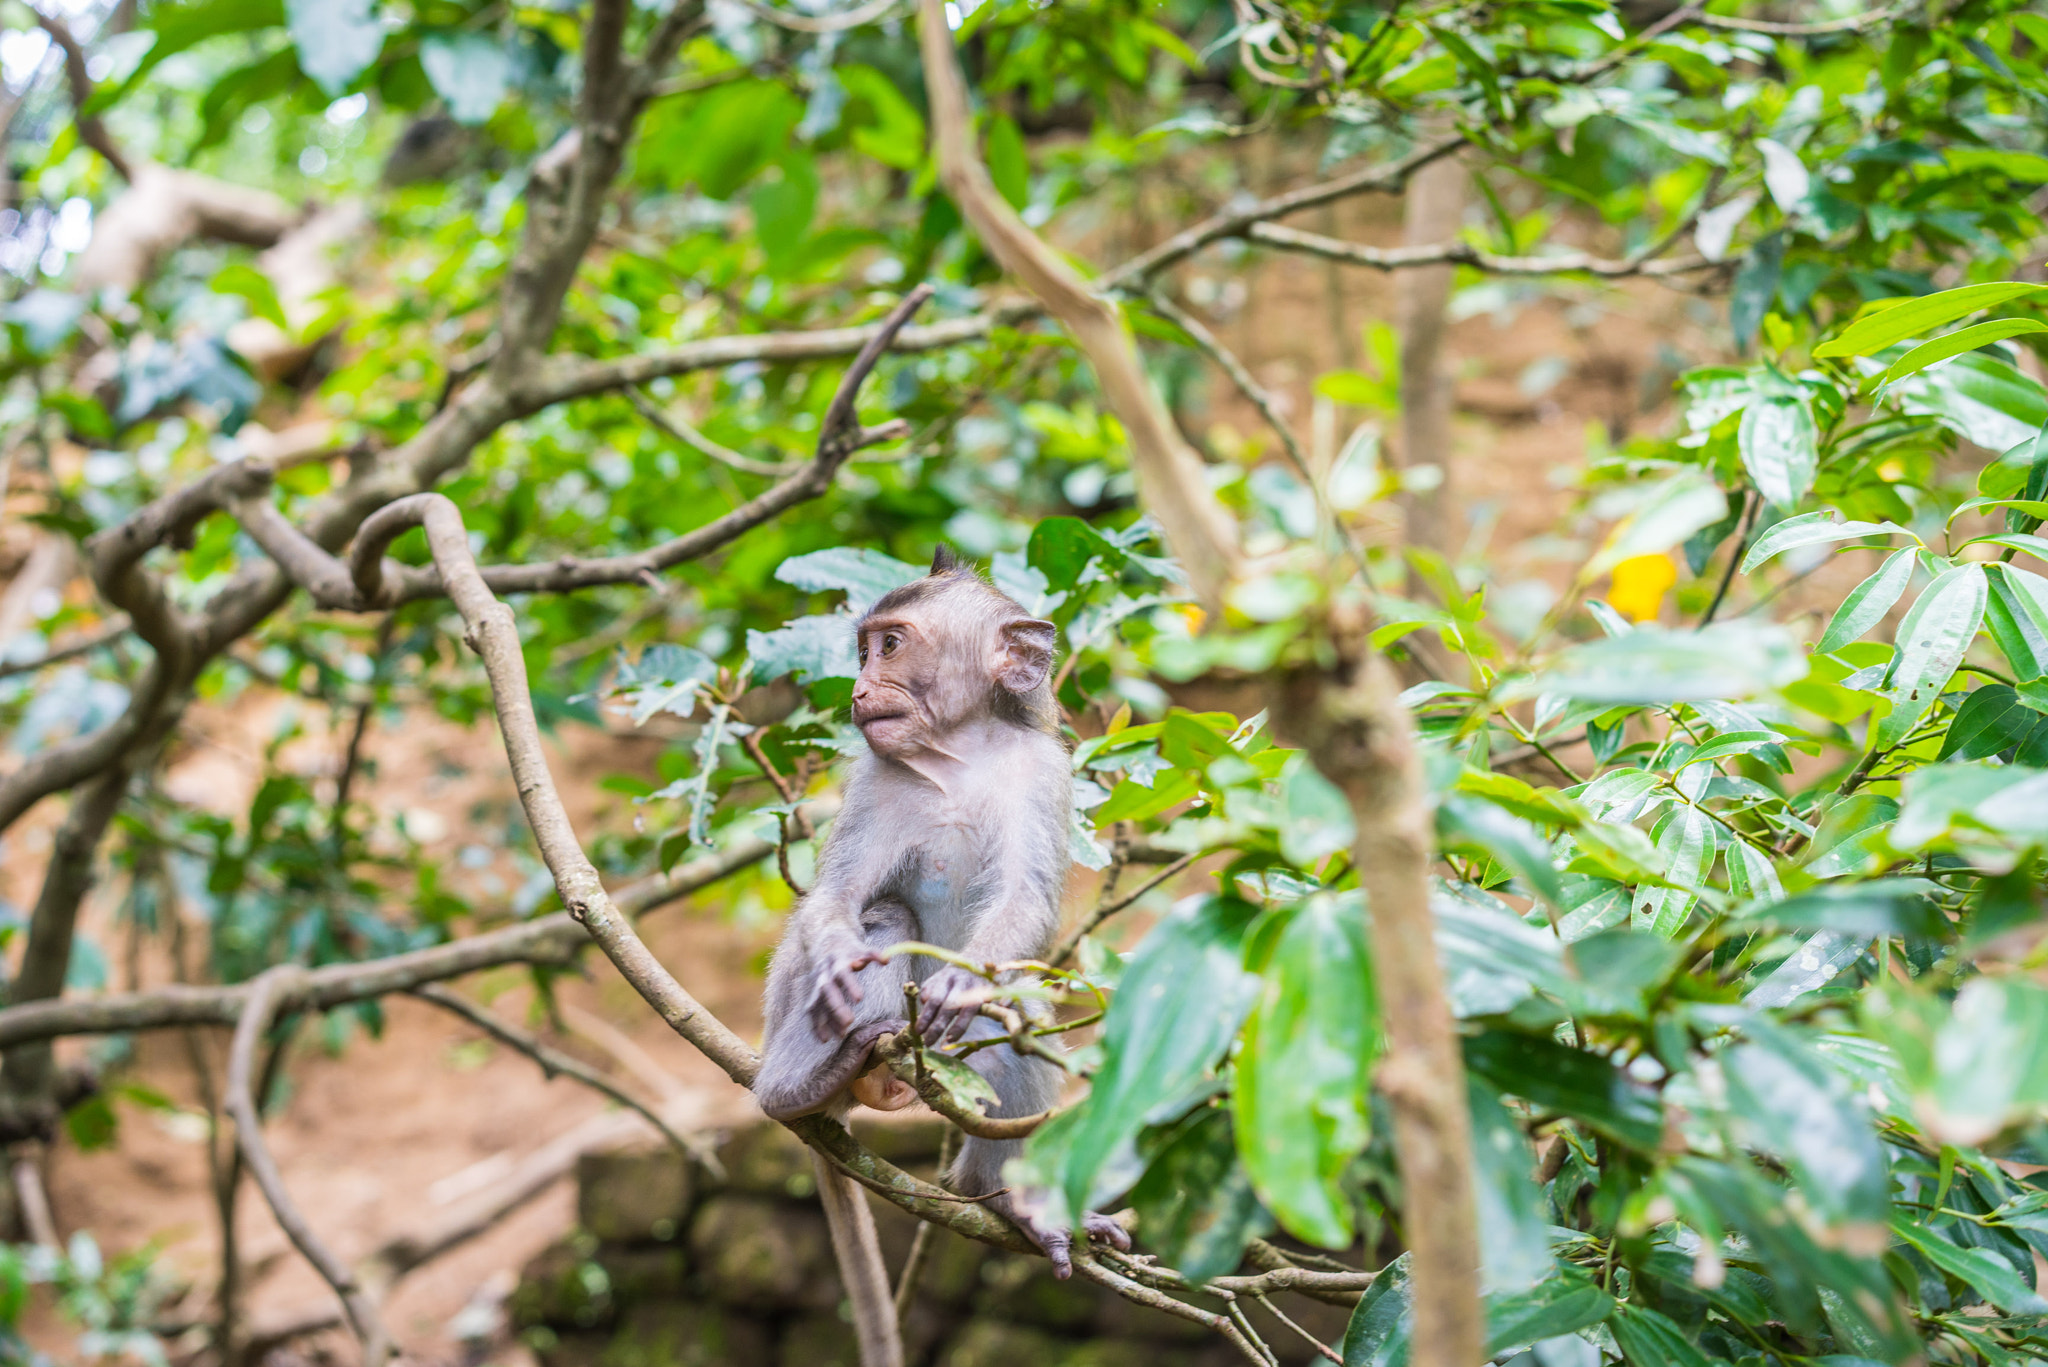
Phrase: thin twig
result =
(263, 1001)
(1751, 502)
(553, 1061)
(1065, 949)
(105, 634)
(1322, 1349)
(677, 429)
(869, 13)
(1261, 398)
(921, 1242)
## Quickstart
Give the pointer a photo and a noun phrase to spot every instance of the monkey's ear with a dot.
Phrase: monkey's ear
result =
(943, 559)
(1026, 655)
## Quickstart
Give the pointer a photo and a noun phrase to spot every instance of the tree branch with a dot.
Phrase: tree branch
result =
(553, 1061)
(70, 648)
(1170, 476)
(1465, 254)
(92, 131)
(261, 1009)
(1209, 345)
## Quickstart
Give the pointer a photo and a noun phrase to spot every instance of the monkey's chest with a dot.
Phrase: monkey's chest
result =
(940, 883)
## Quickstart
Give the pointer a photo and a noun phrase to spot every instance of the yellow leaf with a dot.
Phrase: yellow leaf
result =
(1639, 586)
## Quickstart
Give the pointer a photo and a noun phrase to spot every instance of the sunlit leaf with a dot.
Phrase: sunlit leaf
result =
(1894, 323)
(1936, 631)
(1868, 602)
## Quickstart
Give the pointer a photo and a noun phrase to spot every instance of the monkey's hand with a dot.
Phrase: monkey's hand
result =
(952, 997)
(835, 991)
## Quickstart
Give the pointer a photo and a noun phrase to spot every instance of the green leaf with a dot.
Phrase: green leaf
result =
(1956, 343)
(1667, 514)
(1991, 719)
(1383, 1320)
(1650, 1339)
(1894, 323)
(783, 207)
(1617, 970)
(1885, 907)
(1061, 547)
(1318, 820)
(1491, 958)
(1132, 801)
(1305, 1069)
(240, 278)
(1974, 1067)
(968, 1089)
(886, 126)
(1989, 1275)
(1780, 447)
(1563, 1303)
(1687, 841)
(1788, 1101)
(470, 71)
(1812, 529)
(1936, 631)
(1978, 397)
(1518, 845)
(1868, 602)
(1727, 660)
(1195, 1200)
(1514, 1235)
(2018, 541)
(1009, 166)
(337, 39)
(1756, 284)
(1942, 798)
(1560, 1078)
(863, 575)
(1177, 1009)
(811, 648)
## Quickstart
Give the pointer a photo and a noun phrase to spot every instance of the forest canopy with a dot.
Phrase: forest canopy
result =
(1561, 848)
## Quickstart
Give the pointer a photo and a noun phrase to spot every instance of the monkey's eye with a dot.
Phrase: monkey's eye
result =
(863, 653)
(890, 640)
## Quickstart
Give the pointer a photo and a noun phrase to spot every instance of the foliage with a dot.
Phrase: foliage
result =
(1752, 968)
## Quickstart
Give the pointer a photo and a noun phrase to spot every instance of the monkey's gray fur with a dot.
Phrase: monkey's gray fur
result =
(953, 832)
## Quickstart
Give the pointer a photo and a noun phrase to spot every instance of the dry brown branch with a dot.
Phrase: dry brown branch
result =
(240, 1103)
(678, 430)
(1171, 480)
(1465, 254)
(553, 1062)
(1066, 947)
(71, 647)
(1211, 346)
(546, 940)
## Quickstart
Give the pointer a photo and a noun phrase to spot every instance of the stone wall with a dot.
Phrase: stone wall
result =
(671, 1268)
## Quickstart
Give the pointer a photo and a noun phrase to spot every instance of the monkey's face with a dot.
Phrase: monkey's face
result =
(894, 695)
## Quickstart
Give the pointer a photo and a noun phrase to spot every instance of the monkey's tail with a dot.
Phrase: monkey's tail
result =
(860, 1265)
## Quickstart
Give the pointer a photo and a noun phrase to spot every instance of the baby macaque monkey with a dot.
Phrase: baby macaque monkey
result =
(953, 832)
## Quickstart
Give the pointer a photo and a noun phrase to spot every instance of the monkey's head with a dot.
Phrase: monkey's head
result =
(945, 651)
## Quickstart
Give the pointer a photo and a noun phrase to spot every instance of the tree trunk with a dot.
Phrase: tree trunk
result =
(1352, 721)
(1434, 211)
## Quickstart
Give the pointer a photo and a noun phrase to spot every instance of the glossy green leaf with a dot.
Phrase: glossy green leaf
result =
(1133, 801)
(1976, 1066)
(1936, 631)
(242, 279)
(1616, 970)
(1978, 397)
(471, 71)
(1894, 323)
(969, 1090)
(1989, 1275)
(1991, 719)
(1811, 529)
(1563, 1303)
(1009, 166)
(1941, 798)
(1885, 908)
(1780, 447)
(1195, 1202)
(1868, 602)
(1650, 1339)
(1956, 343)
(1318, 821)
(1727, 660)
(1560, 1078)
(863, 575)
(1178, 1007)
(811, 648)
(1687, 842)
(1787, 1101)
(1519, 846)
(1305, 1070)
(1383, 1321)
(336, 39)
(1514, 1234)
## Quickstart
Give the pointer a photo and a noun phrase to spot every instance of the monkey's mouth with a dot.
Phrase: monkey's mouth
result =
(874, 717)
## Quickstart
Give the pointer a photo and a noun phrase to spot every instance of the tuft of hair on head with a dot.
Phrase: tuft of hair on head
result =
(944, 561)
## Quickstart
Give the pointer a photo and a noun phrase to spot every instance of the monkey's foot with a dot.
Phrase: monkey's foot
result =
(1058, 1242)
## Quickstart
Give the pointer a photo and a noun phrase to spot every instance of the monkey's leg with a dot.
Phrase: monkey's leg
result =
(1023, 1086)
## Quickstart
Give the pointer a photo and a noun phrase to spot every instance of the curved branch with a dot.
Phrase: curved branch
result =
(554, 1062)
(677, 430)
(239, 1102)
(92, 131)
